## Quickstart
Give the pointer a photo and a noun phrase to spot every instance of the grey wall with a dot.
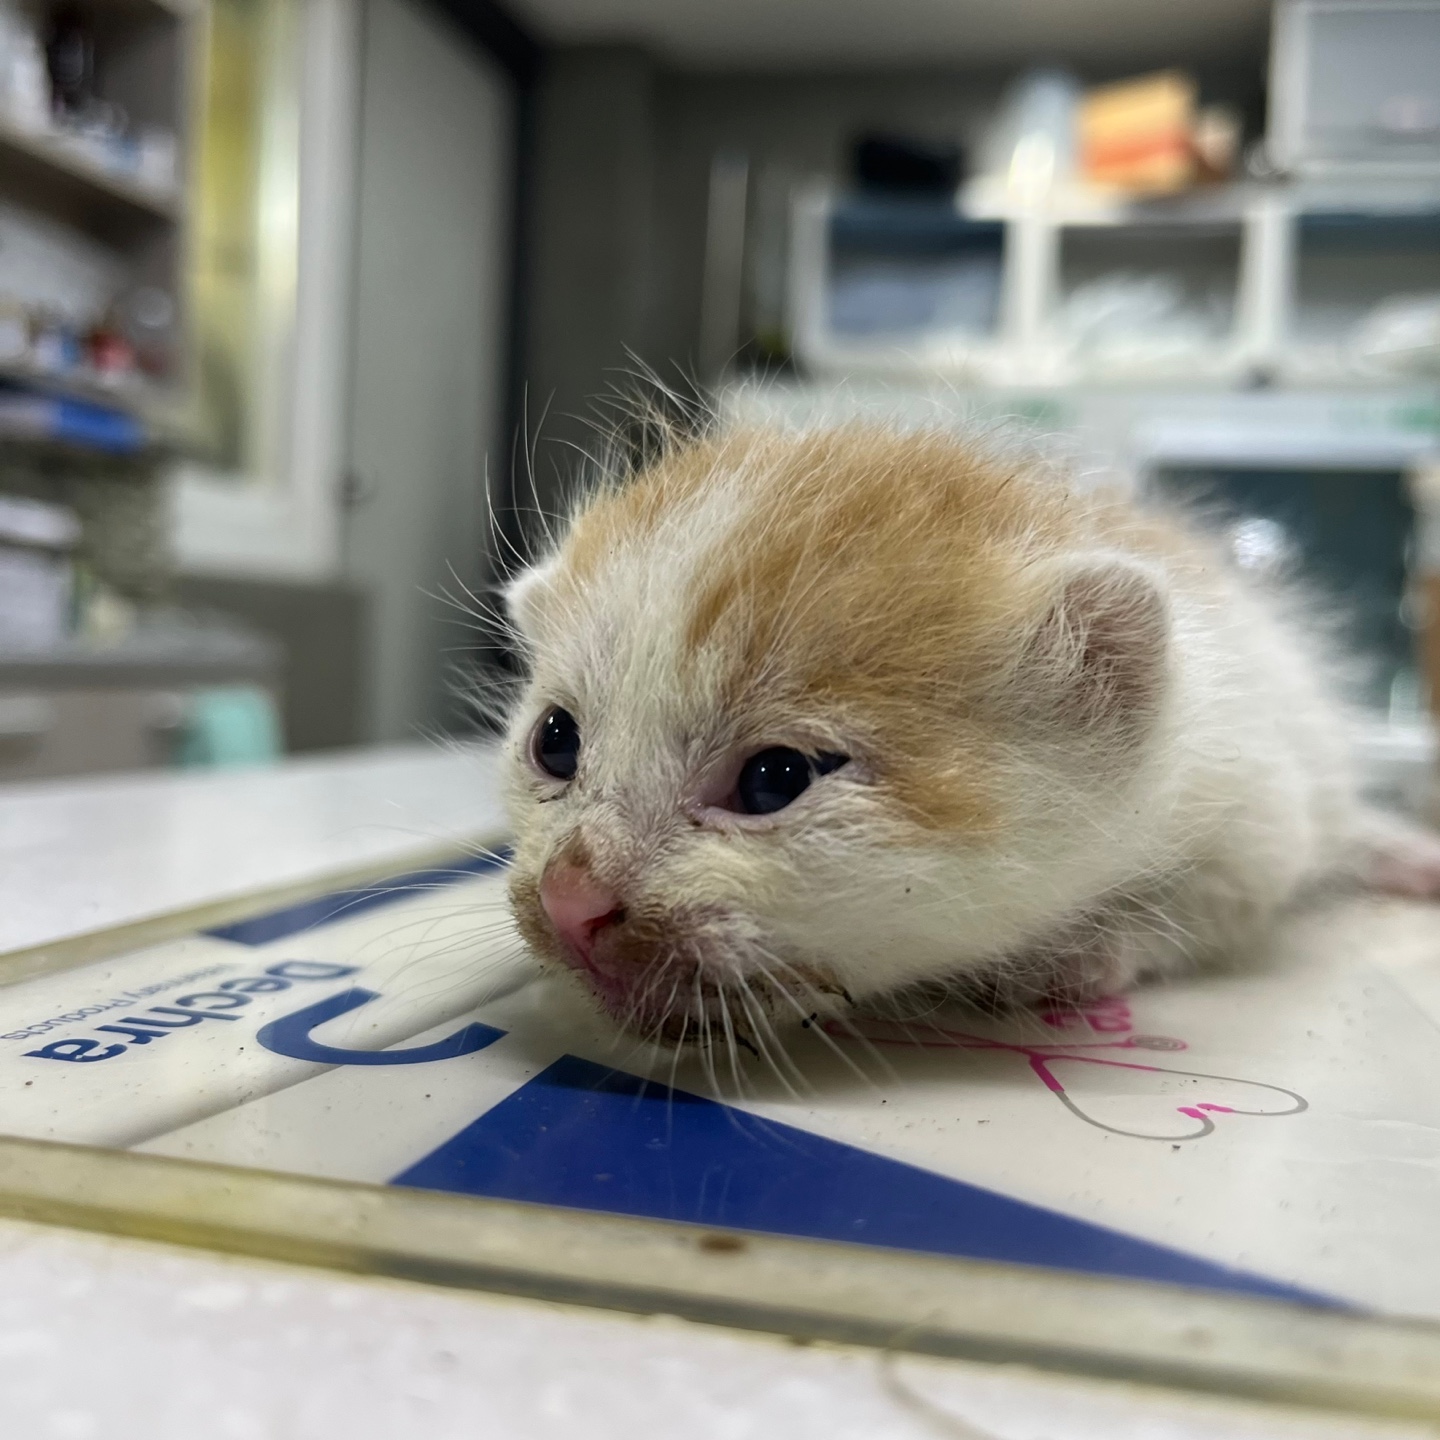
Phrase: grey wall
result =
(592, 295)
(620, 177)
(437, 122)
(621, 165)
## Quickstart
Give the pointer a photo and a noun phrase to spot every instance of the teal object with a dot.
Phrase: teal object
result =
(230, 725)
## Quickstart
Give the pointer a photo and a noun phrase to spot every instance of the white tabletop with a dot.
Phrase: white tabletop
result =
(81, 856)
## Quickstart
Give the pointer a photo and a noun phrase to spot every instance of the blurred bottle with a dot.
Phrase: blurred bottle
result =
(112, 357)
(24, 83)
(147, 318)
(1029, 146)
(55, 345)
(70, 61)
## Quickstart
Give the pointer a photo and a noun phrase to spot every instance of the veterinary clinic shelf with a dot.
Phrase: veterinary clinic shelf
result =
(1218, 289)
(133, 395)
(1113, 314)
(1346, 264)
(49, 172)
(174, 654)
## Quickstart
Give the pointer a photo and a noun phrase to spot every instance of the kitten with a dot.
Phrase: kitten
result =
(816, 718)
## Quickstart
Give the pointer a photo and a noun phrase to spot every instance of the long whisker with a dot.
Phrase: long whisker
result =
(809, 1016)
(761, 1024)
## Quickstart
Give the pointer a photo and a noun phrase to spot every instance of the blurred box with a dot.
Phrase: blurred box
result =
(1138, 135)
(1355, 84)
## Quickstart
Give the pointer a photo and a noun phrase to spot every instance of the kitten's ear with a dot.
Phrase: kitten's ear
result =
(1099, 656)
(525, 596)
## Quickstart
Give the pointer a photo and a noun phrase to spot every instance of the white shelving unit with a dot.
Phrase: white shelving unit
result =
(1226, 337)
(60, 167)
(99, 211)
(1230, 288)
(1221, 288)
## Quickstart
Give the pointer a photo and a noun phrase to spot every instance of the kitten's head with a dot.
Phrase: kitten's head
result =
(816, 717)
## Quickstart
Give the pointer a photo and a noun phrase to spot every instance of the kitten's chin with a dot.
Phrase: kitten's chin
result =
(673, 1010)
(683, 1003)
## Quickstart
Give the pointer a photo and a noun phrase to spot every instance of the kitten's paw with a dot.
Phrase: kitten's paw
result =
(1406, 862)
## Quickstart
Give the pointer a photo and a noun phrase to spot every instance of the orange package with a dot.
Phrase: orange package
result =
(1138, 135)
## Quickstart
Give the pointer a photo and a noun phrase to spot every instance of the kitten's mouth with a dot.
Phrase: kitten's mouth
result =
(679, 1005)
(679, 995)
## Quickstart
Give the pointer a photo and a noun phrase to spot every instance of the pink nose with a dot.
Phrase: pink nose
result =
(579, 907)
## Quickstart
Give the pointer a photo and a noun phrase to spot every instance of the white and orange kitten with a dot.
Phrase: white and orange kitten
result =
(816, 718)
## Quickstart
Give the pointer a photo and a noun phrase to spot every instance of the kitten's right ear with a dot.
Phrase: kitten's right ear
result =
(1099, 656)
(525, 596)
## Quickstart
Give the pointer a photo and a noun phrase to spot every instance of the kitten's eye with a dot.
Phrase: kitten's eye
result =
(772, 779)
(557, 744)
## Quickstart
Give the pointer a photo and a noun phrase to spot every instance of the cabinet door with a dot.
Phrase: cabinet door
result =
(431, 260)
(82, 732)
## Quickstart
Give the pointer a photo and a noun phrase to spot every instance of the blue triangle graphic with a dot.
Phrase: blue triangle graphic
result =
(585, 1136)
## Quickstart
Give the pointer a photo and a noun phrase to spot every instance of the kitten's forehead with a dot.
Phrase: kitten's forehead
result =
(854, 576)
(613, 646)
(624, 591)
(838, 561)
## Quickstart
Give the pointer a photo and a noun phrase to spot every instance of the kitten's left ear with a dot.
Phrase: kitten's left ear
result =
(1101, 650)
(525, 596)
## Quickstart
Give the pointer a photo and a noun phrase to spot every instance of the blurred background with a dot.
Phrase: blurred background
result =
(305, 306)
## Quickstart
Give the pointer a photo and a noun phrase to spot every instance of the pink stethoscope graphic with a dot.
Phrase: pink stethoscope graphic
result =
(1041, 1057)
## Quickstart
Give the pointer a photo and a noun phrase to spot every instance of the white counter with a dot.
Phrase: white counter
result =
(81, 856)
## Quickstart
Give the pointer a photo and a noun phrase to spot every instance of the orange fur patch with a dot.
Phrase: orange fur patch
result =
(882, 579)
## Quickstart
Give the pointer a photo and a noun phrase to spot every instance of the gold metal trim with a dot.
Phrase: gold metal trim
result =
(1058, 1321)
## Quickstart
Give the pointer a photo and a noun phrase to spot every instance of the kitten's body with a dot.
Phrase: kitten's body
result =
(1083, 747)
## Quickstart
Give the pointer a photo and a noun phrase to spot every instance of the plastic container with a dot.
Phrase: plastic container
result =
(35, 573)
(1141, 298)
(1354, 84)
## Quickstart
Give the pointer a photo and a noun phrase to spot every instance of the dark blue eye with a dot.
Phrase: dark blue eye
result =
(557, 744)
(774, 778)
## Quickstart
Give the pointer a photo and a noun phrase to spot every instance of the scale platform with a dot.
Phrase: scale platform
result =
(1229, 1183)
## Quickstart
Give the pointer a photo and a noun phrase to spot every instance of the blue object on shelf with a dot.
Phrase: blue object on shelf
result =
(905, 226)
(29, 416)
(101, 429)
